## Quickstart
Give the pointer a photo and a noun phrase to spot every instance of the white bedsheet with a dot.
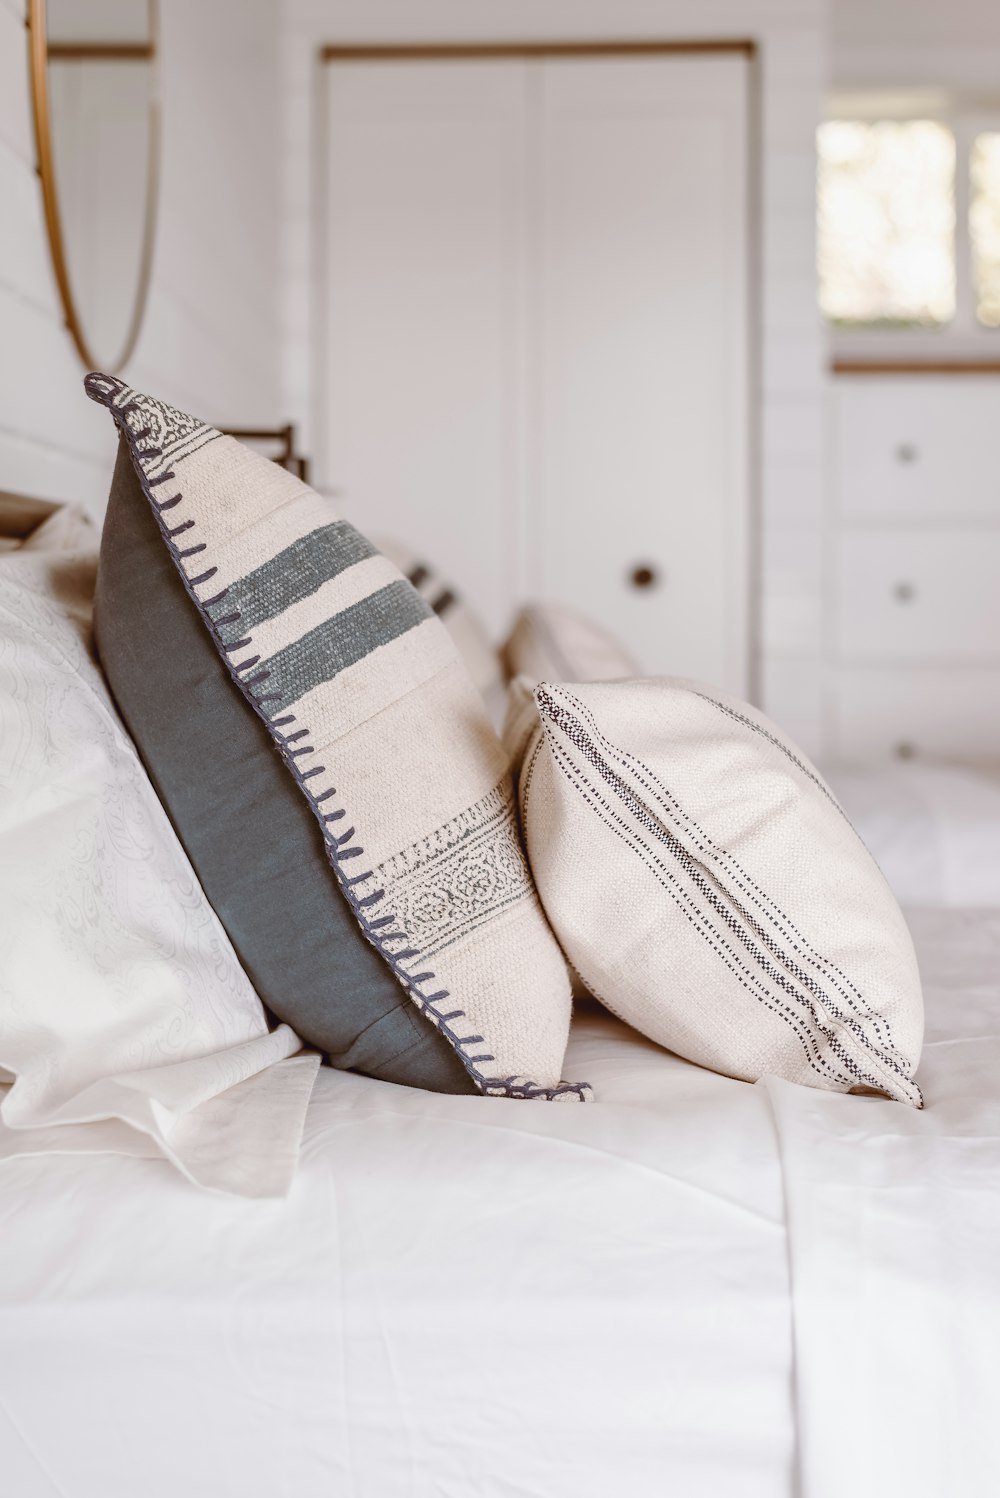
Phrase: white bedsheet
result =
(469, 1298)
(894, 1228)
(933, 829)
(464, 1297)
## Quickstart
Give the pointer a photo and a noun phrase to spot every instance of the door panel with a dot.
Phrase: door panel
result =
(535, 362)
(934, 712)
(424, 277)
(642, 312)
(925, 597)
(916, 449)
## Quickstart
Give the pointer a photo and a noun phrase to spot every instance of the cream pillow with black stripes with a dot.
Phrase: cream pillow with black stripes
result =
(709, 890)
(373, 715)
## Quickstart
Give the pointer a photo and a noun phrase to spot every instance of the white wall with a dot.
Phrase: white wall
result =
(916, 43)
(210, 340)
(240, 93)
(789, 414)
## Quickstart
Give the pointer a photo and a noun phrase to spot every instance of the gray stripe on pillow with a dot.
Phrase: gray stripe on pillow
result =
(296, 572)
(342, 641)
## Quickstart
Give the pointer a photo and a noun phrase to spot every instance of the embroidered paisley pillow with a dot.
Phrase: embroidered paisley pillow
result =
(375, 721)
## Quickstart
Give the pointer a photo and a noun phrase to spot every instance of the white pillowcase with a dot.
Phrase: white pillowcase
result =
(125, 1017)
(551, 643)
(709, 890)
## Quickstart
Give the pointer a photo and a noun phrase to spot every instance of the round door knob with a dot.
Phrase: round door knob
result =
(644, 576)
(906, 452)
(906, 750)
(904, 592)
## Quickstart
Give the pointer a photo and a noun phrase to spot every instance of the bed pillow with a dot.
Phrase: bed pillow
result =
(379, 730)
(551, 643)
(709, 890)
(481, 656)
(248, 830)
(126, 1022)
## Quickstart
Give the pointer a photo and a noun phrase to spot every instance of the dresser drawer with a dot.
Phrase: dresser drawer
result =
(912, 447)
(918, 596)
(905, 711)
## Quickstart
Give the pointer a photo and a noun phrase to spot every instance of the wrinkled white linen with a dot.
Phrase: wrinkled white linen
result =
(933, 829)
(481, 1299)
(894, 1229)
(465, 1297)
(125, 1016)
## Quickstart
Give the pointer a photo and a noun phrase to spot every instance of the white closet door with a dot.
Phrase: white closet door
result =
(641, 424)
(535, 335)
(424, 280)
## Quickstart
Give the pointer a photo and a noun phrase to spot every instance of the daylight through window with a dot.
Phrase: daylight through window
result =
(886, 225)
(984, 225)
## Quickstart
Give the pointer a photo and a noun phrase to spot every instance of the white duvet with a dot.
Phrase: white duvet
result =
(695, 1287)
(933, 829)
(126, 1021)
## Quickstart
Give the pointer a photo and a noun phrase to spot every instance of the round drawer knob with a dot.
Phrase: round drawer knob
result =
(904, 592)
(644, 576)
(906, 750)
(906, 452)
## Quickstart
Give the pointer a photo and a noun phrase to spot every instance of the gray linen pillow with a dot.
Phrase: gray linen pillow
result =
(254, 843)
(381, 732)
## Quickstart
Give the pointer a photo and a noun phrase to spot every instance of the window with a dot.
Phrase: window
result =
(908, 221)
(984, 225)
(887, 223)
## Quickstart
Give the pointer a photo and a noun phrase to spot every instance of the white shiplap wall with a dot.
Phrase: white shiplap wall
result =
(210, 339)
(791, 379)
(915, 44)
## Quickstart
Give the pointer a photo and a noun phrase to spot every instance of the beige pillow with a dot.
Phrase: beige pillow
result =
(553, 643)
(472, 641)
(709, 890)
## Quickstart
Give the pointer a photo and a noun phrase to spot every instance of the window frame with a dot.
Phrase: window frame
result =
(964, 337)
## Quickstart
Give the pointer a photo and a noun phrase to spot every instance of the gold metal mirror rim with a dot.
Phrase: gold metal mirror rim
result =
(38, 65)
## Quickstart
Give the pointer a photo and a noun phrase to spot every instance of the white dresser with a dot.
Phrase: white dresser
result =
(913, 582)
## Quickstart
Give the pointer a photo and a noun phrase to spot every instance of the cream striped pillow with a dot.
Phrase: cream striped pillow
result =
(708, 888)
(374, 715)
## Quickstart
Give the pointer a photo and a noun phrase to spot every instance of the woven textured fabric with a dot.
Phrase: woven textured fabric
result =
(551, 643)
(481, 656)
(266, 874)
(375, 718)
(709, 890)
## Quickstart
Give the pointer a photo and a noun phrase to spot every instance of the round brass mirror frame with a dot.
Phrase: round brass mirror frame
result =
(38, 65)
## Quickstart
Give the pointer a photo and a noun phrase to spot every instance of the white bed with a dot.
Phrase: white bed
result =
(933, 828)
(694, 1286)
